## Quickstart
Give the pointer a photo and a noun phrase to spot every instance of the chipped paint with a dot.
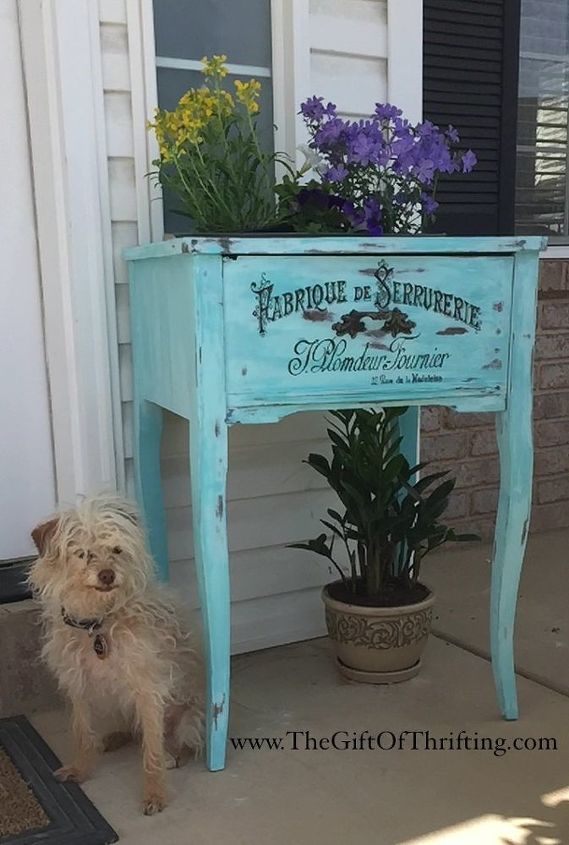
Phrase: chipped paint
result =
(226, 244)
(494, 364)
(453, 330)
(219, 507)
(217, 428)
(217, 710)
(317, 316)
(243, 371)
(371, 271)
(498, 306)
(377, 338)
(525, 530)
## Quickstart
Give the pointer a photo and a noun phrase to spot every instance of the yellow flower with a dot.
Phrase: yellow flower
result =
(224, 103)
(215, 67)
(248, 93)
(175, 129)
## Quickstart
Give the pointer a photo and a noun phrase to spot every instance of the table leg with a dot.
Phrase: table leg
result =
(208, 468)
(147, 436)
(514, 427)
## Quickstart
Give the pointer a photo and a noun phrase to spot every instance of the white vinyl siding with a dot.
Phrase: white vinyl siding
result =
(273, 498)
(348, 53)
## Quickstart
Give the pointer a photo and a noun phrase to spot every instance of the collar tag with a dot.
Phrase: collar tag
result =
(101, 646)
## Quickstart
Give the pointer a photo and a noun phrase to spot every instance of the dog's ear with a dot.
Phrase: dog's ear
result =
(42, 533)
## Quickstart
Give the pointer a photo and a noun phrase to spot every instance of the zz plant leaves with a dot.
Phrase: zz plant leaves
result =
(391, 518)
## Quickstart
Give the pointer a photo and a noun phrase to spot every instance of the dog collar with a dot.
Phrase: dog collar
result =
(101, 645)
(89, 625)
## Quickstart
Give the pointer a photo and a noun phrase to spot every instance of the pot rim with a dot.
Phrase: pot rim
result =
(366, 610)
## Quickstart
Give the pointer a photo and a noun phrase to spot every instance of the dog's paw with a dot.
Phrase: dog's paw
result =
(173, 760)
(70, 773)
(154, 802)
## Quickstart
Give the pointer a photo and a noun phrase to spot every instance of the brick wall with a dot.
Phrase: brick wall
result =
(466, 443)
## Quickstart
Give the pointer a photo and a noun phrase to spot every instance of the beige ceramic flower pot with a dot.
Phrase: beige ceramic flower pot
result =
(378, 644)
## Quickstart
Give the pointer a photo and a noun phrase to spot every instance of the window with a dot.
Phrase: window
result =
(187, 30)
(542, 183)
(499, 71)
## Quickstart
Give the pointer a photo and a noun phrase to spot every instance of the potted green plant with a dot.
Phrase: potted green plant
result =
(378, 613)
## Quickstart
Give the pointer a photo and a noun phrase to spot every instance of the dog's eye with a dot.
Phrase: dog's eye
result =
(81, 555)
(117, 550)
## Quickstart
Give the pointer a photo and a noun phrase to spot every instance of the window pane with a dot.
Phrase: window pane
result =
(542, 153)
(190, 29)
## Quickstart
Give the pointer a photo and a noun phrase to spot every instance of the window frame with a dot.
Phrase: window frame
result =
(558, 246)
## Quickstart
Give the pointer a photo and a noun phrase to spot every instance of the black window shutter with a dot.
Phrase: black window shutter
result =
(470, 79)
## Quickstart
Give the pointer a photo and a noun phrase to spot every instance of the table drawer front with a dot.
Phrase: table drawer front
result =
(309, 326)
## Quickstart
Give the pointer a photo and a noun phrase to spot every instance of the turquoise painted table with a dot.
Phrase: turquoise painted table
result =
(248, 330)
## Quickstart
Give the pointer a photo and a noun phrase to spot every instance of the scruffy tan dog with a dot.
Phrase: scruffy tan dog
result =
(115, 642)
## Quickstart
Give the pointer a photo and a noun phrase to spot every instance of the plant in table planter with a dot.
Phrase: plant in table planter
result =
(377, 176)
(211, 158)
(378, 613)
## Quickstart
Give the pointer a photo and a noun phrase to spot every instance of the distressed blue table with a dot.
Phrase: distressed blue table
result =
(249, 330)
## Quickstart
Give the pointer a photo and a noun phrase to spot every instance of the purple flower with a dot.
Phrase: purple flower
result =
(353, 215)
(452, 134)
(372, 208)
(367, 217)
(385, 111)
(469, 160)
(366, 144)
(426, 129)
(314, 109)
(403, 143)
(375, 171)
(372, 216)
(428, 204)
(425, 170)
(329, 133)
(363, 150)
(336, 174)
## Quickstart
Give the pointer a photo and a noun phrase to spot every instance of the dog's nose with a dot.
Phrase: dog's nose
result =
(106, 577)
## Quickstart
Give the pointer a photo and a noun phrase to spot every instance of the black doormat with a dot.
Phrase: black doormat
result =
(34, 806)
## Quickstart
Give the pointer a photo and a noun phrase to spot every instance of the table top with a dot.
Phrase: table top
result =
(338, 245)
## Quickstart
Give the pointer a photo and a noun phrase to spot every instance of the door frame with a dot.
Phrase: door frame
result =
(63, 78)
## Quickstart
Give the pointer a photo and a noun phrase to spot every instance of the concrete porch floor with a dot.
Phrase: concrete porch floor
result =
(421, 797)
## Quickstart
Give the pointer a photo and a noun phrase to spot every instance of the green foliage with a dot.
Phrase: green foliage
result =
(389, 519)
